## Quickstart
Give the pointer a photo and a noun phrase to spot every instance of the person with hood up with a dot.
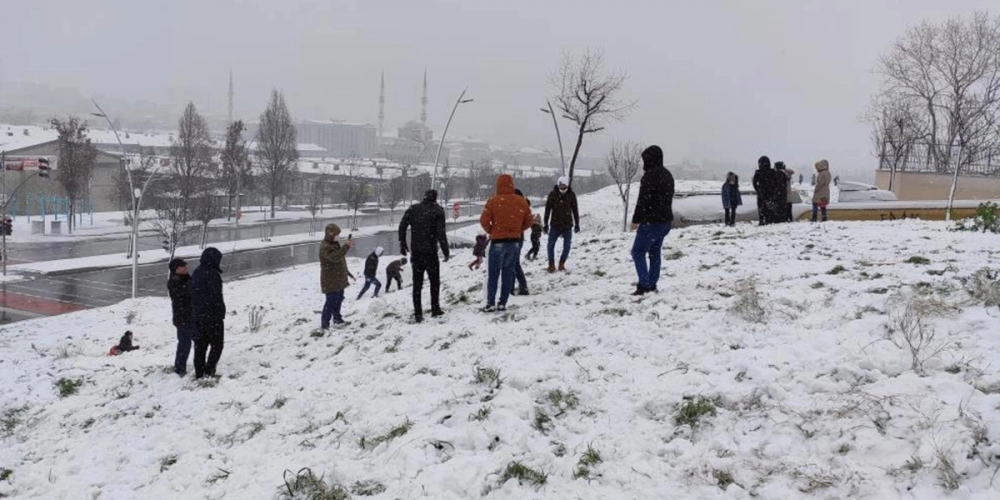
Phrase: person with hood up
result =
(371, 268)
(763, 184)
(791, 197)
(428, 233)
(179, 288)
(652, 218)
(781, 186)
(394, 271)
(821, 193)
(536, 237)
(333, 275)
(562, 218)
(731, 197)
(208, 310)
(505, 218)
(125, 343)
(479, 251)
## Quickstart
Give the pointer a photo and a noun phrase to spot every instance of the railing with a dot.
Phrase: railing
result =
(922, 158)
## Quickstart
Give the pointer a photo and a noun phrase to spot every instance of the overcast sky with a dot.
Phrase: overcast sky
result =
(726, 79)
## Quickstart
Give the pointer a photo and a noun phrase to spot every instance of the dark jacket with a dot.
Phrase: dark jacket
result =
(480, 249)
(561, 210)
(395, 267)
(125, 344)
(371, 265)
(536, 234)
(656, 190)
(731, 197)
(179, 288)
(333, 271)
(207, 305)
(763, 183)
(427, 220)
(779, 186)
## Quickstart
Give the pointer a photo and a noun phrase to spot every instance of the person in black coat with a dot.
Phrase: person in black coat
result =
(125, 343)
(428, 232)
(208, 312)
(763, 184)
(536, 238)
(394, 272)
(652, 218)
(371, 269)
(780, 194)
(179, 288)
(562, 219)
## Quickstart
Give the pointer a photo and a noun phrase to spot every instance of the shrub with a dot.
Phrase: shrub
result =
(693, 410)
(909, 327)
(749, 302)
(68, 387)
(723, 478)
(917, 260)
(987, 219)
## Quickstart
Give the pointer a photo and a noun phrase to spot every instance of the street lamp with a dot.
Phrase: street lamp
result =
(136, 199)
(461, 100)
(562, 156)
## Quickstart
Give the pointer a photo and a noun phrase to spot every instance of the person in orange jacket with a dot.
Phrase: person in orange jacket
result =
(505, 218)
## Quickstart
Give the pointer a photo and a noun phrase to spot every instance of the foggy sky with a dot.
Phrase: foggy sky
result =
(714, 79)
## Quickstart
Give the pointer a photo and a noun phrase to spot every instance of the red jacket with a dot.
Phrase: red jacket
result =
(506, 215)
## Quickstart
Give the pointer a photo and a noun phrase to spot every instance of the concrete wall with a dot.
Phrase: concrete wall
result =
(911, 186)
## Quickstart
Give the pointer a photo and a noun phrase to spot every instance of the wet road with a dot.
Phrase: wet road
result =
(42, 251)
(58, 294)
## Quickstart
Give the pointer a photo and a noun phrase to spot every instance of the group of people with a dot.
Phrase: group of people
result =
(775, 194)
(199, 313)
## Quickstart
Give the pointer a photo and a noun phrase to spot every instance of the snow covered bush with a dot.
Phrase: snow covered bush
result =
(987, 219)
(749, 303)
(909, 327)
(984, 287)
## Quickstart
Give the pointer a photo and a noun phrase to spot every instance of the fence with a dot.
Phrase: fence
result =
(922, 158)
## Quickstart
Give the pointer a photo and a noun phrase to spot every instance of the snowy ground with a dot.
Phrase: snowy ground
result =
(695, 392)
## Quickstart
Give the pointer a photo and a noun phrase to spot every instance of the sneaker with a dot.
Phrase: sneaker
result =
(488, 309)
(437, 312)
(552, 268)
(341, 323)
(501, 309)
(523, 292)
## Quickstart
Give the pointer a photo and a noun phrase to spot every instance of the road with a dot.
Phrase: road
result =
(58, 294)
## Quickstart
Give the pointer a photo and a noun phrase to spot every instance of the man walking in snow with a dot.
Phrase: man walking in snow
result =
(208, 309)
(562, 218)
(333, 275)
(652, 218)
(428, 232)
(371, 268)
(179, 288)
(394, 271)
(505, 218)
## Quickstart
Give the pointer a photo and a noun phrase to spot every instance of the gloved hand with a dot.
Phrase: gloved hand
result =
(403, 249)
(545, 229)
(576, 229)
(447, 255)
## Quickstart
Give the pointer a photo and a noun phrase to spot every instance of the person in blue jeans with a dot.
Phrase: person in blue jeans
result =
(179, 288)
(333, 275)
(561, 211)
(371, 269)
(652, 219)
(505, 218)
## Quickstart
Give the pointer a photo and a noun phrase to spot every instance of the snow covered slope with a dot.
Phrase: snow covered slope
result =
(710, 389)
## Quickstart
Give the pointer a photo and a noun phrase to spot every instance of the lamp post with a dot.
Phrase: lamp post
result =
(137, 194)
(562, 157)
(461, 100)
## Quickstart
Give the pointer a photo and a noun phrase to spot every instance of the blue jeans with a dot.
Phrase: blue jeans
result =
(567, 235)
(816, 209)
(332, 309)
(503, 259)
(649, 240)
(184, 336)
(368, 281)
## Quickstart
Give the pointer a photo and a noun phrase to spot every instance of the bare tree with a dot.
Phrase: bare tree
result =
(76, 161)
(207, 207)
(588, 95)
(393, 194)
(191, 161)
(358, 192)
(624, 161)
(237, 171)
(471, 181)
(317, 197)
(951, 73)
(896, 129)
(140, 167)
(277, 148)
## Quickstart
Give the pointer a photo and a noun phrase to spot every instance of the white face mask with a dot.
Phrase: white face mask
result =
(563, 189)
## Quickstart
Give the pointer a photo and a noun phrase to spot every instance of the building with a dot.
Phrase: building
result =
(39, 195)
(340, 139)
(416, 132)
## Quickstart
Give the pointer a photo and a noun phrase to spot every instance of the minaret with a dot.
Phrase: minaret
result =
(230, 98)
(423, 104)
(381, 107)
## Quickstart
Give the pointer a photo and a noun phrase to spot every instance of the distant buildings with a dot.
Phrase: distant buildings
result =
(340, 139)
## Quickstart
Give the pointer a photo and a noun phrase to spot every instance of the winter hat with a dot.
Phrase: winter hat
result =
(378, 251)
(212, 258)
(822, 165)
(431, 196)
(562, 181)
(764, 162)
(652, 157)
(779, 165)
(332, 230)
(402, 261)
(176, 263)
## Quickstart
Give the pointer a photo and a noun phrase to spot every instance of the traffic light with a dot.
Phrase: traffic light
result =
(8, 226)
(43, 168)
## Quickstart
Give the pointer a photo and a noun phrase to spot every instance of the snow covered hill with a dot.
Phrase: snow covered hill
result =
(761, 369)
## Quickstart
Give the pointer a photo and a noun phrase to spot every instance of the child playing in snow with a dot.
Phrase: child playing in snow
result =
(394, 271)
(124, 345)
(536, 237)
(479, 251)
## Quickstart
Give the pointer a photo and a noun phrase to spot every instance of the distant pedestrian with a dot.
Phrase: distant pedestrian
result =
(731, 197)
(780, 194)
(505, 218)
(536, 237)
(208, 309)
(651, 219)
(800, 179)
(836, 181)
(427, 220)
(333, 275)
(821, 193)
(371, 269)
(179, 288)
(479, 251)
(562, 219)
(763, 181)
(791, 196)
(394, 272)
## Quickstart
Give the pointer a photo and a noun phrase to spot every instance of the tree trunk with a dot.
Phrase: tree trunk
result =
(625, 219)
(576, 152)
(954, 185)
(229, 209)
(204, 235)
(273, 196)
